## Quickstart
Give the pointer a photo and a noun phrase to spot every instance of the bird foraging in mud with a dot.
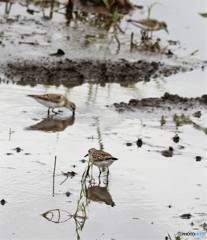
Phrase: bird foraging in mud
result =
(54, 100)
(100, 159)
(149, 24)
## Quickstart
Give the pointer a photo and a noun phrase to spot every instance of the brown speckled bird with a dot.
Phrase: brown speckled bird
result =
(149, 24)
(100, 158)
(54, 100)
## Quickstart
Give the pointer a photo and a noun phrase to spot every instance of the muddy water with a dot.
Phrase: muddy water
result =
(150, 191)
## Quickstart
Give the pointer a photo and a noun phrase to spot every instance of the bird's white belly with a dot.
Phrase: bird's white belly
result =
(104, 163)
(50, 104)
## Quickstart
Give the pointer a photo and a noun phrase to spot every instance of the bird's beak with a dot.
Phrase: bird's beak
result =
(166, 30)
(86, 155)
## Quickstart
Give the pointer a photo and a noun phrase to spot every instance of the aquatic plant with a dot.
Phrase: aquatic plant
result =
(80, 215)
(149, 9)
(168, 237)
(181, 120)
(203, 14)
(162, 120)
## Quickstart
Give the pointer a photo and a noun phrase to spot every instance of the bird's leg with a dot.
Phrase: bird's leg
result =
(99, 172)
(107, 179)
(54, 111)
(99, 178)
(107, 173)
(92, 180)
(151, 34)
(48, 112)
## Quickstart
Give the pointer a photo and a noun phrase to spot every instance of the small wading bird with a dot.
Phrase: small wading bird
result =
(53, 100)
(149, 24)
(100, 159)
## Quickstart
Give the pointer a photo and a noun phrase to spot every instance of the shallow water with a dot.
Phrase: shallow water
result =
(82, 39)
(142, 183)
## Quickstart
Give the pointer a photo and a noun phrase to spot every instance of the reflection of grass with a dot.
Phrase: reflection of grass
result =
(79, 215)
(101, 146)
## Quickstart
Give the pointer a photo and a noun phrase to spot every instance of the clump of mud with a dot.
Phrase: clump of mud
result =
(167, 101)
(73, 72)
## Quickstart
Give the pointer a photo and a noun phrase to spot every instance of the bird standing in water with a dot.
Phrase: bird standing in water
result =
(149, 24)
(54, 100)
(100, 159)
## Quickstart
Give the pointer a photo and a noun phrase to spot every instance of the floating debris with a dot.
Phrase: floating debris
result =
(69, 174)
(128, 144)
(18, 149)
(67, 194)
(59, 53)
(176, 138)
(83, 160)
(168, 153)
(186, 216)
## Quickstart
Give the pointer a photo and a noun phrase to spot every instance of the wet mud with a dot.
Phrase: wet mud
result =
(167, 101)
(73, 72)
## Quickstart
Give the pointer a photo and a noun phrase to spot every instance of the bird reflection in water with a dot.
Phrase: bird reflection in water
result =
(99, 194)
(53, 124)
(96, 192)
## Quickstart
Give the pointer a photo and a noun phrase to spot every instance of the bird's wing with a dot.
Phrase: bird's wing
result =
(148, 22)
(101, 155)
(56, 98)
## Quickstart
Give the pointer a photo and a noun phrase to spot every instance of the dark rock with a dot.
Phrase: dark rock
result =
(139, 142)
(3, 202)
(197, 114)
(198, 158)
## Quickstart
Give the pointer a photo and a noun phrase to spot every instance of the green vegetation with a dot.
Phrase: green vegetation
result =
(162, 120)
(203, 14)
(169, 237)
(149, 9)
(181, 120)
